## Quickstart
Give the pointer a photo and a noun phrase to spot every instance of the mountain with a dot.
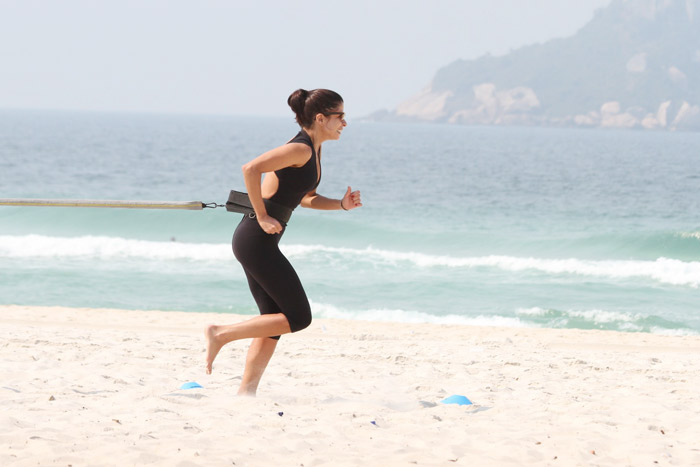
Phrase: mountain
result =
(636, 64)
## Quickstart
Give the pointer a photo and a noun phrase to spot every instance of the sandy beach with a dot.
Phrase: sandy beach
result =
(102, 387)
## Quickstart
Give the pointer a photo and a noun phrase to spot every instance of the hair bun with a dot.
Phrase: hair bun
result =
(297, 100)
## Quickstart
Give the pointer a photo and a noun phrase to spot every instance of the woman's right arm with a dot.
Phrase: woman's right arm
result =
(294, 154)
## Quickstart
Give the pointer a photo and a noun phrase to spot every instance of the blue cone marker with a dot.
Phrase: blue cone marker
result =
(190, 385)
(456, 399)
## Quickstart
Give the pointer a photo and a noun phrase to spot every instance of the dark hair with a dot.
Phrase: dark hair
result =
(307, 104)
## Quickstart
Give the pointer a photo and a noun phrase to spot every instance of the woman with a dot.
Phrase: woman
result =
(292, 173)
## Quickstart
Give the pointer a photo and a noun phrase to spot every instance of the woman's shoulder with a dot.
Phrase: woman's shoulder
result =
(297, 151)
(302, 138)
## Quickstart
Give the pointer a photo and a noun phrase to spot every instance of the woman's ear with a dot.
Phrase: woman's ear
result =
(319, 118)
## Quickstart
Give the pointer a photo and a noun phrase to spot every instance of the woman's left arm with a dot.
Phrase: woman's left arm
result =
(350, 200)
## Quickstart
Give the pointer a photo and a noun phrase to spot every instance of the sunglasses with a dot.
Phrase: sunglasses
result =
(340, 115)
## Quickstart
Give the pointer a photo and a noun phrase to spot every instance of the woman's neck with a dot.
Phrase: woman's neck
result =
(316, 137)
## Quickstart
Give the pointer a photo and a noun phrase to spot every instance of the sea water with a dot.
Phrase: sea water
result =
(558, 228)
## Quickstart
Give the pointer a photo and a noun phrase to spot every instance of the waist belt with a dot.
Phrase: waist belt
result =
(240, 202)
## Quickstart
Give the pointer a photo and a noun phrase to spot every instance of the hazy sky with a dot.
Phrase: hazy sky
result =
(246, 57)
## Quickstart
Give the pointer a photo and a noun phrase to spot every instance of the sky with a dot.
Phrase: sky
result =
(245, 57)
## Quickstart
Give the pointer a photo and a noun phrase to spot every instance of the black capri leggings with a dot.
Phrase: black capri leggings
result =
(273, 282)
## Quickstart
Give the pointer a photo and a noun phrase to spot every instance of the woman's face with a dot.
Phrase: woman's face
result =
(334, 122)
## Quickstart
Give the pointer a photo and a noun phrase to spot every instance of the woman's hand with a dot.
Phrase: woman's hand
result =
(351, 200)
(269, 224)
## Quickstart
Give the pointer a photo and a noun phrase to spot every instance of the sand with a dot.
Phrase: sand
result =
(102, 387)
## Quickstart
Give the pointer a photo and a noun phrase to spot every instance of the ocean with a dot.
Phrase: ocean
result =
(506, 226)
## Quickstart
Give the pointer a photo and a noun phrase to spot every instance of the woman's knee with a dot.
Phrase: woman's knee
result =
(302, 319)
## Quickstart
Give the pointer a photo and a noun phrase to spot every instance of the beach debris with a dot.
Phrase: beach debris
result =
(116, 421)
(192, 428)
(52, 398)
(280, 413)
(191, 385)
(373, 422)
(457, 399)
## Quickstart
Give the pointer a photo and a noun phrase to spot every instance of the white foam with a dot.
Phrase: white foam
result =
(322, 310)
(605, 317)
(695, 235)
(620, 321)
(668, 271)
(595, 316)
(40, 246)
(535, 311)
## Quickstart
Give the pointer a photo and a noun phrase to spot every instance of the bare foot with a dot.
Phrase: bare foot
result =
(213, 345)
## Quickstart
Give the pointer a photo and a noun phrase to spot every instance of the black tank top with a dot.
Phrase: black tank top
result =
(296, 182)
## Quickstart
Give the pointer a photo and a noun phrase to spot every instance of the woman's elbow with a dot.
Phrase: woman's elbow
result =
(248, 169)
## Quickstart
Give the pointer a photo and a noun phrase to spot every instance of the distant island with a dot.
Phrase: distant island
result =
(636, 64)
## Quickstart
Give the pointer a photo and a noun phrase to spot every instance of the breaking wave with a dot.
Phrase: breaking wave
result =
(663, 270)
